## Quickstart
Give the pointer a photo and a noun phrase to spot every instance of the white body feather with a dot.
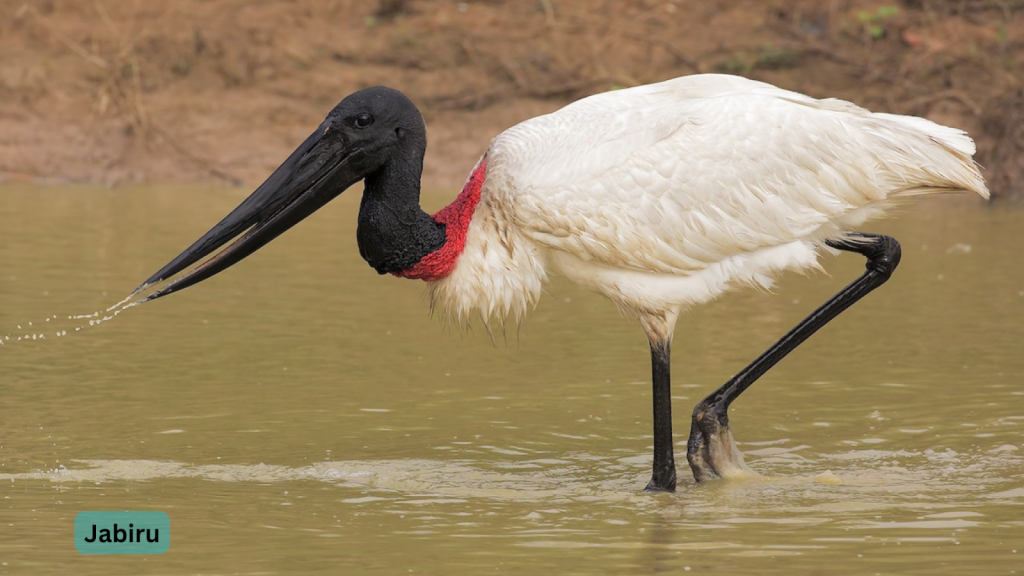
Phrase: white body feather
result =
(667, 195)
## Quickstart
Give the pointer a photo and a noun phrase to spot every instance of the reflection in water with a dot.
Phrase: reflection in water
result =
(300, 414)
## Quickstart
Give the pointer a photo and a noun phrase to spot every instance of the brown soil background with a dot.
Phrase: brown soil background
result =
(196, 91)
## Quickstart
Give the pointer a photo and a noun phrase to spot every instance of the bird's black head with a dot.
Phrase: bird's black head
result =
(375, 122)
(362, 134)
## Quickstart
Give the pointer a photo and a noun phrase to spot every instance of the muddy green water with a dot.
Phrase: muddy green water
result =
(299, 414)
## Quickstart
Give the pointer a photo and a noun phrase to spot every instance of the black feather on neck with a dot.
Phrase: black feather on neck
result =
(394, 233)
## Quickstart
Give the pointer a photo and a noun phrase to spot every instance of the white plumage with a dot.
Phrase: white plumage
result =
(666, 195)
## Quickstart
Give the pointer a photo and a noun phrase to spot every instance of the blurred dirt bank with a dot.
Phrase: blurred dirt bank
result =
(191, 90)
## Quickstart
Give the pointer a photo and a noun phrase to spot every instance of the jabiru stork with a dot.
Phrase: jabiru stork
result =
(657, 197)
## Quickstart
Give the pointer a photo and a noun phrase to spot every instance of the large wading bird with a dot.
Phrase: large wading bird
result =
(657, 197)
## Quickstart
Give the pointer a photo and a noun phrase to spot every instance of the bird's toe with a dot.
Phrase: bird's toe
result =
(711, 450)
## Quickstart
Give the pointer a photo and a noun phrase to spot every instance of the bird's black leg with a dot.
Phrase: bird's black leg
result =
(664, 477)
(711, 451)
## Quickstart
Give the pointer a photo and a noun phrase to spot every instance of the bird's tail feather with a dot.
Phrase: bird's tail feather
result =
(934, 159)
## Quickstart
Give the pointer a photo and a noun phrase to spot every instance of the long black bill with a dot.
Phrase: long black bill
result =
(316, 172)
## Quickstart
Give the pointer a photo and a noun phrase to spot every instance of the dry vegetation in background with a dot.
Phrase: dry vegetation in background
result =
(190, 90)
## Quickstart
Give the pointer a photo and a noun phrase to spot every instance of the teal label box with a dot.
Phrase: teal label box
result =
(122, 532)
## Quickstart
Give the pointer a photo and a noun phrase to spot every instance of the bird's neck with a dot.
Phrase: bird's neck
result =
(397, 237)
(454, 219)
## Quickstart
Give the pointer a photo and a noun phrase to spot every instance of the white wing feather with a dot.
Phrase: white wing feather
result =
(676, 176)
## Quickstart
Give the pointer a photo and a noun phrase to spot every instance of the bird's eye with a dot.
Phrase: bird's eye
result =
(363, 120)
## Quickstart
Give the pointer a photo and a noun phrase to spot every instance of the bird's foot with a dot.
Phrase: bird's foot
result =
(711, 450)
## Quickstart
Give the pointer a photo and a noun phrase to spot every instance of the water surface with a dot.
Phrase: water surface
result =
(300, 414)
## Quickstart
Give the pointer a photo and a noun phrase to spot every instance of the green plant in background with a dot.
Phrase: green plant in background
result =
(767, 57)
(772, 58)
(873, 22)
(733, 65)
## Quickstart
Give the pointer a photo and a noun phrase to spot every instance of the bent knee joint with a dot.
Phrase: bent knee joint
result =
(885, 256)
